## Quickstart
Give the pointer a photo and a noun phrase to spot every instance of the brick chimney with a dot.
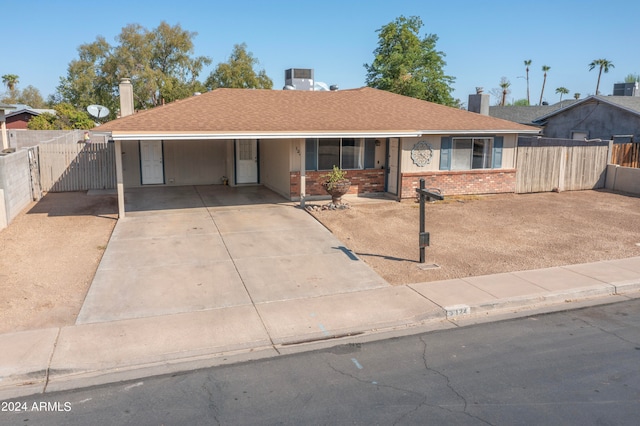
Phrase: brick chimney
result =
(479, 102)
(126, 97)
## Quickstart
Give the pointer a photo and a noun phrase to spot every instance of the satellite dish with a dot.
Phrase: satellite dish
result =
(98, 111)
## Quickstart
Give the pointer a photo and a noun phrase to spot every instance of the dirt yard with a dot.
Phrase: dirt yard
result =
(490, 234)
(50, 252)
(48, 257)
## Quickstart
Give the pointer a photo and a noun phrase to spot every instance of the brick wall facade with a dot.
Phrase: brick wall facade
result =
(461, 182)
(362, 182)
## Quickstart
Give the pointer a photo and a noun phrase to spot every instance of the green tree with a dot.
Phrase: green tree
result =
(32, 97)
(576, 96)
(527, 64)
(67, 117)
(504, 85)
(44, 121)
(562, 91)
(158, 62)
(602, 65)
(545, 68)
(521, 102)
(408, 65)
(632, 78)
(239, 72)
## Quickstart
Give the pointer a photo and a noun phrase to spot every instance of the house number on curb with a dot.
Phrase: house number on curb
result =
(421, 153)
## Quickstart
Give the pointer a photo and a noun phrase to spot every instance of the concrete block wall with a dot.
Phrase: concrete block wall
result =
(462, 182)
(26, 138)
(15, 185)
(623, 179)
(367, 181)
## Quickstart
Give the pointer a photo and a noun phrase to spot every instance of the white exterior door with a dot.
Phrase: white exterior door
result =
(247, 161)
(392, 164)
(151, 163)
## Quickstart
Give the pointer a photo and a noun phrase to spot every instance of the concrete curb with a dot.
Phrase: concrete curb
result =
(49, 360)
(81, 355)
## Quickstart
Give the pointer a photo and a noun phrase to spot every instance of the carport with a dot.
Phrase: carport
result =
(180, 199)
(196, 248)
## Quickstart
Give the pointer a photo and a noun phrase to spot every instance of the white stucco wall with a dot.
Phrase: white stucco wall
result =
(130, 163)
(408, 166)
(194, 162)
(276, 157)
(624, 179)
(509, 151)
(185, 162)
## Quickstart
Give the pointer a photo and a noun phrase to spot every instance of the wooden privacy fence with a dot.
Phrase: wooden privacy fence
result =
(560, 165)
(626, 154)
(74, 166)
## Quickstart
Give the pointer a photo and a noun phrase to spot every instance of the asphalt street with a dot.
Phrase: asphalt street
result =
(573, 367)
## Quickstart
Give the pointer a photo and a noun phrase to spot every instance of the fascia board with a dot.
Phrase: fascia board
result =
(294, 135)
(480, 132)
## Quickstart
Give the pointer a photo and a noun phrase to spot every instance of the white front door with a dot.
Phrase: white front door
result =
(247, 161)
(151, 163)
(392, 164)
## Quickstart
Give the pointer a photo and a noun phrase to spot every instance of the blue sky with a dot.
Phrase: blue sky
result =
(483, 40)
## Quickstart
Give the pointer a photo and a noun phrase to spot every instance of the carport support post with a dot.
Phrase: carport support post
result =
(303, 174)
(119, 179)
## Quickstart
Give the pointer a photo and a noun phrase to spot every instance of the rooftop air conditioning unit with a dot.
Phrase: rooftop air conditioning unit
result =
(626, 89)
(299, 78)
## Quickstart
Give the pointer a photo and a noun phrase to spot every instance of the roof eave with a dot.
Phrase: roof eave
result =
(124, 135)
(482, 132)
(128, 135)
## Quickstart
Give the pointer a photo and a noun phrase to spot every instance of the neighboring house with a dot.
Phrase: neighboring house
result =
(4, 109)
(286, 140)
(19, 118)
(595, 117)
(526, 114)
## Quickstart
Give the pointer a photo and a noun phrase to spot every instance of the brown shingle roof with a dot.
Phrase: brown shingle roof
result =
(289, 111)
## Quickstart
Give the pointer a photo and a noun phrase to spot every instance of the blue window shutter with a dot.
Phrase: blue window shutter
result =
(369, 154)
(311, 154)
(496, 161)
(445, 153)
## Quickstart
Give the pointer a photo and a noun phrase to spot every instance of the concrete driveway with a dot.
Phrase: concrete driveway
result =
(197, 248)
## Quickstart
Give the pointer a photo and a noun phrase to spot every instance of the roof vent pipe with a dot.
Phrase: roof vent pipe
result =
(333, 87)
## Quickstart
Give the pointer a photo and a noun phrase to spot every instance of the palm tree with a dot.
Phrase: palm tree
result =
(562, 91)
(603, 65)
(10, 80)
(545, 68)
(504, 85)
(526, 64)
(576, 96)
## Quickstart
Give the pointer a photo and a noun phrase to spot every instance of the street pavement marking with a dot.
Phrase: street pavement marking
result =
(355, 361)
